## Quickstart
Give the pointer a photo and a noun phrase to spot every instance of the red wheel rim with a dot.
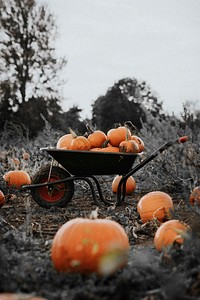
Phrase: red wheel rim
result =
(51, 193)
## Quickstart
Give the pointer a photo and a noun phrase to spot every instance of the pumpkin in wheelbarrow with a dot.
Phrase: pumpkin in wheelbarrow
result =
(90, 246)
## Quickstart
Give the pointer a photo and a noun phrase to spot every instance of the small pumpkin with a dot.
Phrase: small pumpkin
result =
(156, 204)
(64, 141)
(194, 197)
(117, 135)
(90, 245)
(170, 232)
(79, 142)
(128, 147)
(139, 141)
(96, 137)
(2, 198)
(17, 178)
(130, 184)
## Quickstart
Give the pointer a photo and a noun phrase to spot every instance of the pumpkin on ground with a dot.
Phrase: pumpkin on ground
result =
(117, 135)
(130, 184)
(194, 197)
(90, 245)
(2, 198)
(170, 232)
(156, 204)
(17, 178)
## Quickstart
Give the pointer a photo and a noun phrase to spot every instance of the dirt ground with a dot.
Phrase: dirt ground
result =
(26, 234)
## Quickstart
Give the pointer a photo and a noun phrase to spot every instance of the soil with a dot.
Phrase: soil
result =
(26, 269)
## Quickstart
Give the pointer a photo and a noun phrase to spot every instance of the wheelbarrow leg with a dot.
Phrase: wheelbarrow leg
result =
(100, 191)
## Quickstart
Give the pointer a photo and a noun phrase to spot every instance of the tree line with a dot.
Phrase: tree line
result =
(31, 82)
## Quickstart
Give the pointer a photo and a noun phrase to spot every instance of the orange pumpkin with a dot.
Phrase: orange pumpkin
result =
(194, 197)
(106, 149)
(139, 141)
(96, 137)
(130, 184)
(19, 296)
(170, 232)
(79, 142)
(2, 198)
(17, 178)
(90, 245)
(64, 141)
(156, 204)
(117, 135)
(128, 147)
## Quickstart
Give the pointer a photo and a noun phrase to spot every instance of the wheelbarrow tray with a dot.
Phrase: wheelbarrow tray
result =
(85, 163)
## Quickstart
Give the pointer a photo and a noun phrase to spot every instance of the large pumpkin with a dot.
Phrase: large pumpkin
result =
(16, 178)
(2, 198)
(170, 232)
(156, 204)
(130, 184)
(90, 245)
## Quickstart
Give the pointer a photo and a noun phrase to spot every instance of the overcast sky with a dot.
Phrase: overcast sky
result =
(106, 40)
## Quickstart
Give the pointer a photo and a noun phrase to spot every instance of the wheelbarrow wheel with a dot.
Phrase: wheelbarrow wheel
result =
(58, 195)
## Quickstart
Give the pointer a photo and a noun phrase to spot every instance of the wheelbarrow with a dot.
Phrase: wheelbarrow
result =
(53, 185)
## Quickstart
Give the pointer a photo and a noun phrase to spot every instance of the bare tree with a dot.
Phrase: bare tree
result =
(28, 62)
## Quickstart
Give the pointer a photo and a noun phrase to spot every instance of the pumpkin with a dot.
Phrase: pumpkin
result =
(128, 147)
(79, 142)
(96, 137)
(194, 197)
(156, 204)
(139, 141)
(19, 296)
(90, 245)
(17, 178)
(130, 184)
(2, 198)
(106, 149)
(64, 141)
(117, 135)
(170, 232)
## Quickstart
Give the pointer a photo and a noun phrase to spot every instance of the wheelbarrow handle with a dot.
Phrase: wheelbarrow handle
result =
(162, 148)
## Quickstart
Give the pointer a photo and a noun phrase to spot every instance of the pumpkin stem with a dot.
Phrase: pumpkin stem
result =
(127, 135)
(130, 125)
(105, 144)
(89, 128)
(94, 214)
(74, 135)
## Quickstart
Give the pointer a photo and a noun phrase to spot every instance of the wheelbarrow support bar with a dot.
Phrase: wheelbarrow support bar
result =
(121, 192)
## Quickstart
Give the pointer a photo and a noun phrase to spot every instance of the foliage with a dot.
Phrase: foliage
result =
(126, 100)
(29, 67)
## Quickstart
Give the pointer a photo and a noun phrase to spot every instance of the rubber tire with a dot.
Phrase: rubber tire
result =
(40, 195)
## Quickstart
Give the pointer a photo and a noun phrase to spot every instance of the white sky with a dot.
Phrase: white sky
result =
(106, 40)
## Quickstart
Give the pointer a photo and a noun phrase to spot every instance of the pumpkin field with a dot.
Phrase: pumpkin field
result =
(144, 248)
